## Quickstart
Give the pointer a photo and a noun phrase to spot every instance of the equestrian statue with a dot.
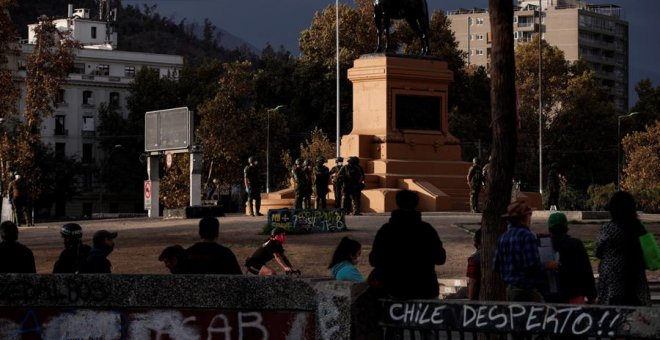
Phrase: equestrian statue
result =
(415, 12)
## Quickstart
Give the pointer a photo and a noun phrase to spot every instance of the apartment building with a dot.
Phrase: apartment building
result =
(101, 74)
(598, 34)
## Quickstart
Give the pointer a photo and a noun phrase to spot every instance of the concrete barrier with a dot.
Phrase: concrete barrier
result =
(175, 306)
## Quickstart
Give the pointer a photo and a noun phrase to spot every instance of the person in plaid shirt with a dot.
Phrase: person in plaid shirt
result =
(517, 257)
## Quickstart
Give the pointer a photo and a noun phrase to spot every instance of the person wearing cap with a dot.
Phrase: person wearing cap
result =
(208, 256)
(253, 186)
(517, 256)
(103, 243)
(337, 184)
(75, 253)
(271, 249)
(474, 181)
(321, 181)
(406, 251)
(174, 258)
(18, 197)
(14, 256)
(575, 278)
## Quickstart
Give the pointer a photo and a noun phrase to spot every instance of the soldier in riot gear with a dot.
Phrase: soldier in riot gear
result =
(321, 182)
(300, 182)
(253, 186)
(337, 184)
(352, 177)
(307, 193)
(474, 180)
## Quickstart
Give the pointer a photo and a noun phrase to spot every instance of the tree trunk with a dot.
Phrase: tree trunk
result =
(503, 152)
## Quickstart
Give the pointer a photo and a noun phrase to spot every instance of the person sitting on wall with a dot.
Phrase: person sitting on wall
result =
(102, 245)
(209, 257)
(345, 259)
(14, 256)
(75, 253)
(174, 258)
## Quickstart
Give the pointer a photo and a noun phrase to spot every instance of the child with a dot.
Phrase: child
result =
(342, 267)
(256, 264)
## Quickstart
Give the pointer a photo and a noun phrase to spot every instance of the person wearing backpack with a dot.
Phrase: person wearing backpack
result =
(475, 181)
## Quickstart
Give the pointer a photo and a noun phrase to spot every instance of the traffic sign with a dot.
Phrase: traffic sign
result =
(147, 195)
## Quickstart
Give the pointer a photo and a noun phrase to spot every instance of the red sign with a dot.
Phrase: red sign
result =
(147, 194)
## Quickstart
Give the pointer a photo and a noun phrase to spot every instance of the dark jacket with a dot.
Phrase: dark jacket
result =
(97, 260)
(404, 255)
(16, 258)
(72, 259)
(211, 258)
(575, 276)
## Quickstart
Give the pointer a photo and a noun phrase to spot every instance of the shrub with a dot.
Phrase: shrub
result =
(599, 195)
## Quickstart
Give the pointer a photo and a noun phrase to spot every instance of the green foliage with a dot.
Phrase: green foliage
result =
(318, 144)
(640, 174)
(599, 196)
(175, 184)
(647, 107)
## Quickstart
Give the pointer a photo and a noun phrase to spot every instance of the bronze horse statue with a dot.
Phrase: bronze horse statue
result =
(415, 12)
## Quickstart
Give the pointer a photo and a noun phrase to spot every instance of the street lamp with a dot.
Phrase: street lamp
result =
(618, 146)
(275, 109)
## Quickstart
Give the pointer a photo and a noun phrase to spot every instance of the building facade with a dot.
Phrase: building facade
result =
(597, 34)
(101, 74)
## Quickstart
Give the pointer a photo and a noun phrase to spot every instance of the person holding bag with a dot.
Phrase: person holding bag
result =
(622, 280)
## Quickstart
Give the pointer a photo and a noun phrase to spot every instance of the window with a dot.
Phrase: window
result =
(103, 70)
(87, 98)
(93, 32)
(129, 71)
(515, 35)
(114, 98)
(60, 150)
(60, 125)
(61, 97)
(480, 21)
(87, 153)
(88, 123)
(515, 18)
(21, 65)
(78, 68)
(480, 52)
(480, 37)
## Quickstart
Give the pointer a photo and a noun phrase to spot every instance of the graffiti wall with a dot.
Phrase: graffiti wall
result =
(51, 323)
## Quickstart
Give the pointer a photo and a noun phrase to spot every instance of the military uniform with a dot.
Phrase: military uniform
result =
(309, 189)
(337, 184)
(300, 184)
(253, 188)
(352, 177)
(474, 179)
(321, 182)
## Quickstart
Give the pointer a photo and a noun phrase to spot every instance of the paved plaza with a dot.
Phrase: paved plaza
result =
(141, 240)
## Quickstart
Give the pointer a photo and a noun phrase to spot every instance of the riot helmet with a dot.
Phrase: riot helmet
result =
(72, 230)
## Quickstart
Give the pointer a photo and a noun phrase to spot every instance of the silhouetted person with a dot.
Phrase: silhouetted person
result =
(252, 180)
(405, 252)
(75, 253)
(174, 259)
(14, 257)
(474, 269)
(209, 257)
(18, 196)
(103, 243)
(273, 248)
(554, 186)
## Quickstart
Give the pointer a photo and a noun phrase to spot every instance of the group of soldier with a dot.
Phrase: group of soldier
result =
(477, 178)
(347, 182)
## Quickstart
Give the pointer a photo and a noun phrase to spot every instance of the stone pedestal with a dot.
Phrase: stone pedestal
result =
(401, 133)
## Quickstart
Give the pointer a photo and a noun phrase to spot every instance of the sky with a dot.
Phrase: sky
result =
(279, 22)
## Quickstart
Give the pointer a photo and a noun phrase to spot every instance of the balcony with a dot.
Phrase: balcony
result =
(88, 133)
(61, 132)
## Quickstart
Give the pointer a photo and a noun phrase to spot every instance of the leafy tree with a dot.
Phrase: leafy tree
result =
(231, 129)
(8, 90)
(317, 145)
(47, 68)
(175, 185)
(648, 107)
(503, 113)
(581, 137)
(640, 174)
(316, 76)
(555, 77)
